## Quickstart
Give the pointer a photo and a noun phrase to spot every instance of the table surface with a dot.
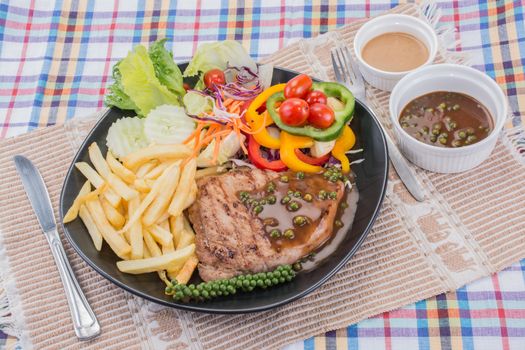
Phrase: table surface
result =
(55, 63)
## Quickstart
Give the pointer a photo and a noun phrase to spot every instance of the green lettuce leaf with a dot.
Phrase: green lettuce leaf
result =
(141, 84)
(219, 55)
(166, 69)
(115, 96)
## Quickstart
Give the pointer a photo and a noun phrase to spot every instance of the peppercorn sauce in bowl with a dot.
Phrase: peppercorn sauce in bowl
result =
(447, 117)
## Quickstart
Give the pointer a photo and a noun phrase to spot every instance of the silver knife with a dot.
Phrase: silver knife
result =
(84, 321)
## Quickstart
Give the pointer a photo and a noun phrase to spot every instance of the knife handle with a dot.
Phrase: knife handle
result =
(84, 321)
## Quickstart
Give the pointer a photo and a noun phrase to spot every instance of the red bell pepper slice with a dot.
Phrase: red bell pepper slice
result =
(311, 160)
(254, 153)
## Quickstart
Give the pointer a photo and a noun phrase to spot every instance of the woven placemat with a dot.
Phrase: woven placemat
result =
(471, 226)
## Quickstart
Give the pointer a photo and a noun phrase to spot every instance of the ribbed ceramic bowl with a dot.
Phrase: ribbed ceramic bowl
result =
(453, 78)
(388, 24)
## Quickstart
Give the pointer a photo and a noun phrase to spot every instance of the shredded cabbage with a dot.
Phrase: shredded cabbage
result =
(219, 55)
(230, 145)
(168, 124)
(197, 103)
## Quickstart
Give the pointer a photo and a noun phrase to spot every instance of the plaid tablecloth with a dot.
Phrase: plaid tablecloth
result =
(55, 63)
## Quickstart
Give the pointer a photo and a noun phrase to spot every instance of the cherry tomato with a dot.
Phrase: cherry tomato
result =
(214, 76)
(298, 86)
(316, 96)
(294, 112)
(186, 86)
(321, 116)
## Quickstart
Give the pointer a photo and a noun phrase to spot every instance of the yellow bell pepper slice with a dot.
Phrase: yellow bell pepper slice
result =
(259, 122)
(289, 143)
(342, 145)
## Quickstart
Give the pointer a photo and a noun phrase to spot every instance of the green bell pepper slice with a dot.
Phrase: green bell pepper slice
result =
(342, 116)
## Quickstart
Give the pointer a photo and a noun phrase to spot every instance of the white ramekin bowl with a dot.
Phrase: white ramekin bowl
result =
(389, 24)
(453, 78)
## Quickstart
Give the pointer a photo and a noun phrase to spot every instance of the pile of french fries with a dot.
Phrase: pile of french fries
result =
(137, 207)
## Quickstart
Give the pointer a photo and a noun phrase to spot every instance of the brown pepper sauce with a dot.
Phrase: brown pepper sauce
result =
(446, 119)
(278, 216)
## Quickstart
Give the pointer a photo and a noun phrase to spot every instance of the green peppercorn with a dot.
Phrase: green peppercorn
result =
(456, 143)
(289, 192)
(285, 199)
(343, 205)
(471, 139)
(249, 201)
(288, 233)
(462, 134)
(322, 194)
(327, 174)
(436, 126)
(430, 110)
(300, 175)
(300, 220)
(338, 223)
(307, 197)
(332, 195)
(297, 267)
(168, 290)
(425, 130)
(179, 295)
(297, 194)
(334, 178)
(293, 206)
(435, 132)
(442, 140)
(442, 105)
(444, 135)
(271, 199)
(414, 125)
(275, 233)
(263, 201)
(455, 107)
(470, 131)
(433, 138)
(271, 187)
(452, 125)
(258, 209)
(284, 179)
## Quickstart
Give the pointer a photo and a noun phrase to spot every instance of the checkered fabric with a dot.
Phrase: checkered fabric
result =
(55, 64)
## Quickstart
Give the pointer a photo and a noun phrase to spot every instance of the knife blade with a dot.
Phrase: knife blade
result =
(85, 322)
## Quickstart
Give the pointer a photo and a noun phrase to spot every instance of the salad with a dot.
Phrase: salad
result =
(230, 112)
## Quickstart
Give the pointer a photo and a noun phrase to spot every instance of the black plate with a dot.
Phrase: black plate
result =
(371, 179)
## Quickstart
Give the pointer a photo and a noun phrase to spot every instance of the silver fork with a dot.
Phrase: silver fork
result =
(347, 73)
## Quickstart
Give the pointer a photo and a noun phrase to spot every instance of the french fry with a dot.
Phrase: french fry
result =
(144, 155)
(191, 196)
(187, 177)
(152, 246)
(157, 263)
(161, 202)
(160, 235)
(120, 187)
(92, 176)
(158, 170)
(145, 168)
(141, 186)
(88, 221)
(176, 226)
(115, 241)
(72, 212)
(120, 170)
(165, 225)
(98, 161)
(185, 273)
(214, 170)
(113, 180)
(150, 197)
(114, 217)
(186, 238)
(165, 216)
(136, 239)
(166, 248)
